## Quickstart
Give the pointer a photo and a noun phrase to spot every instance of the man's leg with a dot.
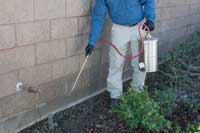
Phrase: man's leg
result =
(138, 76)
(120, 38)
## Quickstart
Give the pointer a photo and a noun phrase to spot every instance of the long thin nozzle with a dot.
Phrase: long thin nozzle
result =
(79, 74)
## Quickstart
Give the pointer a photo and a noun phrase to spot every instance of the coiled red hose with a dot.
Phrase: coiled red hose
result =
(120, 53)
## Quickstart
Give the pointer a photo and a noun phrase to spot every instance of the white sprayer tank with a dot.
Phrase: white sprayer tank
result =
(150, 57)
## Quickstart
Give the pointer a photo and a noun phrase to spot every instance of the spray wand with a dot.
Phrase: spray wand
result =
(79, 74)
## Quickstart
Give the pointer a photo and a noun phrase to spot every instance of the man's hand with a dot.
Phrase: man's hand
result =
(150, 24)
(89, 49)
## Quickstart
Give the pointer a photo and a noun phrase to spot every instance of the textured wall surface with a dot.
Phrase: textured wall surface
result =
(176, 20)
(42, 45)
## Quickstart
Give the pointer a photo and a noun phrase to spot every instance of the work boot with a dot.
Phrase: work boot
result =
(114, 102)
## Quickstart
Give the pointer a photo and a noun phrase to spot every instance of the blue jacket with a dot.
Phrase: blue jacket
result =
(123, 12)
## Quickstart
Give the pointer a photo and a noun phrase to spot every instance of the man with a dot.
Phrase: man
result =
(126, 15)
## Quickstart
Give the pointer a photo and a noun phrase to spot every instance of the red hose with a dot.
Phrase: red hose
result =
(120, 53)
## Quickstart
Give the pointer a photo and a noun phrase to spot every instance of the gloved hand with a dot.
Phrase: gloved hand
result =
(150, 24)
(89, 49)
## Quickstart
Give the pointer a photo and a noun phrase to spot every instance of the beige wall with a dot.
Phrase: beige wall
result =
(176, 20)
(42, 45)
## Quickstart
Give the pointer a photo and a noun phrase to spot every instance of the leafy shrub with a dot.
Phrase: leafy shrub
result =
(194, 126)
(138, 109)
(166, 99)
(177, 128)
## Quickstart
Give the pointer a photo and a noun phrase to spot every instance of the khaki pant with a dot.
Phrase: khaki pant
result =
(121, 36)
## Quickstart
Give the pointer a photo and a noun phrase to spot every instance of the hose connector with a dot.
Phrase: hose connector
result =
(148, 35)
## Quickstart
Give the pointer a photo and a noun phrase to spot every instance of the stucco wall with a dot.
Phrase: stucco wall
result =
(42, 45)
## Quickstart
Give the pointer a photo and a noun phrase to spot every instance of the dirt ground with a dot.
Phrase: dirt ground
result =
(91, 116)
(95, 116)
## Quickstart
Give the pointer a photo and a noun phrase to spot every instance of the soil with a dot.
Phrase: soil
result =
(91, 116)
(95, 116)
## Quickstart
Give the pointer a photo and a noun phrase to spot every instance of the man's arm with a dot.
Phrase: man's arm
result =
(97, 21)
(149, 9)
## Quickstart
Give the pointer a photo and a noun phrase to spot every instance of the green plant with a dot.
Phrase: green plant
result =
(166, 99)
(190, 128)
(138, 109)
(177, 128)
(194, 126)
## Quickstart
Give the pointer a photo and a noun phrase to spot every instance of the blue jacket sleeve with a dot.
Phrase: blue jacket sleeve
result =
(97, 21)
(149, 9)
